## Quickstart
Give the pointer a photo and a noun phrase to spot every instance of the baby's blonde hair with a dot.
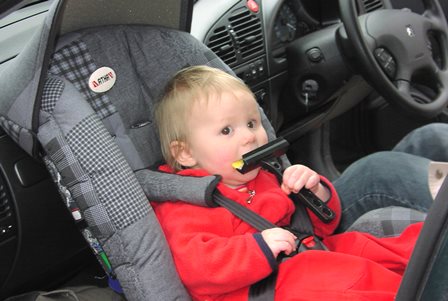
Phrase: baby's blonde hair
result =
(182, 91)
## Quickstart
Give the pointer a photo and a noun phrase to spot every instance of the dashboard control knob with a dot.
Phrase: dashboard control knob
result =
(315, 55)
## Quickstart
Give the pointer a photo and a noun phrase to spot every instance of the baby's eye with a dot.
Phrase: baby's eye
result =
(226, 131)
(251, 124)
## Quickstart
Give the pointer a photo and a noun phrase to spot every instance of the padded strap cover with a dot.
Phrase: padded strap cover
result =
(108, 194)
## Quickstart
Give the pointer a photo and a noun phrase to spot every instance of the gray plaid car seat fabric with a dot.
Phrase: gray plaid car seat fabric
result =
(94, 149)
(94, 141)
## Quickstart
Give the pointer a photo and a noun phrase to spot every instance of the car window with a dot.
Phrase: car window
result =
(18, 27)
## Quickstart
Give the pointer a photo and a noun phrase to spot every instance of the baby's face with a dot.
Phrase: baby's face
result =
(222, 129)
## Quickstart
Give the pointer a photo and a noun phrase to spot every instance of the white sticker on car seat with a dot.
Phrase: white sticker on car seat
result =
(102, 80)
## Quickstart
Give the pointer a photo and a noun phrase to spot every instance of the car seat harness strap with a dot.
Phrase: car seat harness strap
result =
(264, 289)
(305, 240)
(301, 226)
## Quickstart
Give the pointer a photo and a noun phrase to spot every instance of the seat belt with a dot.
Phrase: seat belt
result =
(264, 290)
(301, 226)
(247, 215)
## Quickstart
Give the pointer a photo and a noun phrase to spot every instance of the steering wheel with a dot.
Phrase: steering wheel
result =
(403, 55)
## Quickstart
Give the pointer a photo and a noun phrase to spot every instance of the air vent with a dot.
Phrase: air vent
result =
(221, 44)
(248, 32)
(371, 5)
(238, 36)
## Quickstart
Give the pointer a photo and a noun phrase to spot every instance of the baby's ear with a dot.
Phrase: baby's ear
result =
(182, 154)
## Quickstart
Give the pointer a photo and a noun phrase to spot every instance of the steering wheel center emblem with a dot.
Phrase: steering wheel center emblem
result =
(410, 31)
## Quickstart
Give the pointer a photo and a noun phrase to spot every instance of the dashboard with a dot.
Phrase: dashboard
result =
(277, 49)
(289, 53)
(293, 21)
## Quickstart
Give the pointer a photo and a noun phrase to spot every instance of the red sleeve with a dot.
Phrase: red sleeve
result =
(209, 257)
(320, 228)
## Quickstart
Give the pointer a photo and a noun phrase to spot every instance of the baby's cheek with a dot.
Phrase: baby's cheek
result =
(222, 162)
(223, 155)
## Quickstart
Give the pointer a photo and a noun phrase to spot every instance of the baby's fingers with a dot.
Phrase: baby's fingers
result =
(286, 189)
(287, 247)
(293, 178)
(290, 239)
(312, 181)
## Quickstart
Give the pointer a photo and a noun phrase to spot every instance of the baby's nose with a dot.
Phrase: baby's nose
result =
(249, 136)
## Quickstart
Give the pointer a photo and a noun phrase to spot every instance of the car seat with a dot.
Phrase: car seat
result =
(98, 146)
(89, 146)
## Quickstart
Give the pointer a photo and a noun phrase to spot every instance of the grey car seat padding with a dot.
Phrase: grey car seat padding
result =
(94, 143)
(110, 199)
(134, 53)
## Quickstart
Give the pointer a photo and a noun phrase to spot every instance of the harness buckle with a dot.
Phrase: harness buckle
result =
(306, 243)
(310, 242)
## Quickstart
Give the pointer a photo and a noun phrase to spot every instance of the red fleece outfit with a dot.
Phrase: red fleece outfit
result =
(218, 256)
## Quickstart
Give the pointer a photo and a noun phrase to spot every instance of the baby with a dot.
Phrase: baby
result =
(207, 120)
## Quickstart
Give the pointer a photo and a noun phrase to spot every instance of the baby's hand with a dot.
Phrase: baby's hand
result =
(298, 176)
(279, 240)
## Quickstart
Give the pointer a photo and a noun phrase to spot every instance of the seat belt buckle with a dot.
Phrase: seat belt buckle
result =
(310, 242)
(306, 243)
